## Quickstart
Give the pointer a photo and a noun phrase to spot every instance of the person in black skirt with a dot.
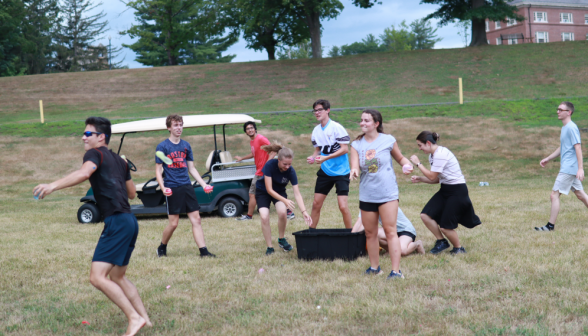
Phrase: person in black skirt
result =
(451, 204)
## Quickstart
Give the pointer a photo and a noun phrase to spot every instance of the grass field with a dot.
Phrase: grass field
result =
(513, 281)
(525, 71)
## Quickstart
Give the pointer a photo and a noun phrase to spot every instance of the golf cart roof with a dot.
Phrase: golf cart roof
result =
(200, 120)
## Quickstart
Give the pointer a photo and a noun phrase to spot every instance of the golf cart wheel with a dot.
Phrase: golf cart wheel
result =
(230, 207)
(89, 213)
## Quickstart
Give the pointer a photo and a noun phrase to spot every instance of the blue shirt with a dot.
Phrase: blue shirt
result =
(280, 178)
(176, 174)
(570, 135)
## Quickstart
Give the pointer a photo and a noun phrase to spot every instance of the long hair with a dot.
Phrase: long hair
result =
(425, 136)
(377, 117)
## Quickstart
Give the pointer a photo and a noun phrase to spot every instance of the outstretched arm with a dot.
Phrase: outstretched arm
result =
(402, 161)
(241, 158)
(77, 177)
(300, 202)
(195, 174)
(430, 177)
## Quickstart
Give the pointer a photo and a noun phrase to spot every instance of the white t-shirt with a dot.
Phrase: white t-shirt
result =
(445, 163)
(328, 139)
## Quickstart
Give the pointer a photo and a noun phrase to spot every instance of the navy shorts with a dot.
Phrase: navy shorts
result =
(264, 199)
(182, 200)
(117, 241)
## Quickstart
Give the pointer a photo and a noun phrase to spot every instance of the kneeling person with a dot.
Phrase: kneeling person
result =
(406, 235)
(272, 189)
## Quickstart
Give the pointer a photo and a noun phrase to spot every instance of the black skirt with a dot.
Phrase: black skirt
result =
(452, 205)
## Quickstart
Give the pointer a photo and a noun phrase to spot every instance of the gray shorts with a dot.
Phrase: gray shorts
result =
(564, 182)
(253, 182)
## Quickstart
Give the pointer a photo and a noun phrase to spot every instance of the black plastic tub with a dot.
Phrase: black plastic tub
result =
(330, 244)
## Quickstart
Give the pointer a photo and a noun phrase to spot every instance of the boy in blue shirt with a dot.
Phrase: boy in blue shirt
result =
(571, 173)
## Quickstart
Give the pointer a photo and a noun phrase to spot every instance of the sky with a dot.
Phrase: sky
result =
(352, 25)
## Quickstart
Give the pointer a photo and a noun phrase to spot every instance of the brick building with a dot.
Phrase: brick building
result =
(545, 21)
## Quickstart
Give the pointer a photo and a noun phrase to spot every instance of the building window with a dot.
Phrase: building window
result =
(586, 18)
(487, 25)
(540, 16)
(566, 18)
(512, 22)
(497, 23)
(498, 41)
(512, 41)
(567, 36)
(541, 37)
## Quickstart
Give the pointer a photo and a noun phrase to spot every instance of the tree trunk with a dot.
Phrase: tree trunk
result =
(478, 26)
(314, 25)
(271, 51)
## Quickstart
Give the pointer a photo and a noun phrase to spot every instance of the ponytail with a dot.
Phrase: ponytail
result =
(425, 136)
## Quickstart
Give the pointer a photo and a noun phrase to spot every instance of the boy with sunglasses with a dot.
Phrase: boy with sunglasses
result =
(112, 185)
(571, 172)
(331, 145)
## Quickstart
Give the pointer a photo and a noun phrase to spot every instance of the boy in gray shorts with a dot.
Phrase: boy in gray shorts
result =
(571, 173)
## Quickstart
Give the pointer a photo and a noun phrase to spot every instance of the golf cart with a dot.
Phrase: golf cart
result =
(231, 180)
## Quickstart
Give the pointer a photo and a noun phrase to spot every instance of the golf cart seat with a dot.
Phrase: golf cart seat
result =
(213, 158)
(226, 157)
(150, 183)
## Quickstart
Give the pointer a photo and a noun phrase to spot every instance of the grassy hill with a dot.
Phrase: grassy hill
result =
(525, 71)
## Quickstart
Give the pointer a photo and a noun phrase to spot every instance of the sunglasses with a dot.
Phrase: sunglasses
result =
(89, 134)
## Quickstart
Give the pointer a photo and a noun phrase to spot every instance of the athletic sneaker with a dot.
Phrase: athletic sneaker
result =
(440, 246)
(161, 252)
(290, 214)
(270, 250)
(208, 255)
(456, 250)
(394, 275)
(371, 271)
(244, 218)
(283, 243)
(548, 227)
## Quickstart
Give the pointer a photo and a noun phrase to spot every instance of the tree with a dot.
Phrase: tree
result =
(298, 51)
(74, 50)
(11, 37)
(424, 34)
(267, 24)
(398, 39)
(39, 27)
(463, 31)
(477, 11)
(174, 32)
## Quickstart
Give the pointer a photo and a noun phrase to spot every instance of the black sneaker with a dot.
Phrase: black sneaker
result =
(440, 246)
(394, 275)
(548, 227)
(284, 245)
(270, 250)
(371, 271)
(208, 255)
(457, 250)
(161, 252)
(290, 215)
(244, 218)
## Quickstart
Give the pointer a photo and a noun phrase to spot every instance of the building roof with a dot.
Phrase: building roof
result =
(554, 3)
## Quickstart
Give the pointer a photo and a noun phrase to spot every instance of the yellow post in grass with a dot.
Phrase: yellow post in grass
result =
(41, 108)
(460, 92)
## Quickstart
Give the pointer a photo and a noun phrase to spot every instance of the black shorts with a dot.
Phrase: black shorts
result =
(406, 233)
(264, 199)
(324, 184)
(371, 207)
(182, 200)
(117, 241)
(452, 205)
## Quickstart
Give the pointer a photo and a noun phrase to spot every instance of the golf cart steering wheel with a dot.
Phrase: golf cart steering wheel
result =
(132, 166)
(147, 187)
(206, 177)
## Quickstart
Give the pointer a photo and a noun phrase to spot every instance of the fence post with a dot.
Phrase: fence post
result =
(41, 109)
(460, 92)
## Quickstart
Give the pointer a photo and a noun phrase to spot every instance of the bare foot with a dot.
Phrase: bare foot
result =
(148, 323)
(135, 324)
(420, 247)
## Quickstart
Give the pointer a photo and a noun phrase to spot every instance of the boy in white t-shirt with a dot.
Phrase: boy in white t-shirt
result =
(331, 145)
(571, 173)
